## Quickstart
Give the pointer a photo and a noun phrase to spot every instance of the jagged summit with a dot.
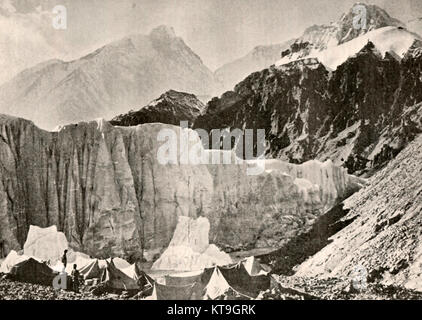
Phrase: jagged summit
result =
(171, 107)
(318, 38)
(376, 18)
(394, 40)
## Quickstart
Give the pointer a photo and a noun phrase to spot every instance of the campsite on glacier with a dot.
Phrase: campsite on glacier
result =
(131, 171)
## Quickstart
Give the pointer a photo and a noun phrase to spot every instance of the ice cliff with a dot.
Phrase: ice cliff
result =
(103, 187)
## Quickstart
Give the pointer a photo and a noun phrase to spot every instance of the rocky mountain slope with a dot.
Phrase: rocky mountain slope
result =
(104, 187)
(109, 81)
(259, 58)
(385, 235)
(360, 114)
(171, 107)
(315, 39)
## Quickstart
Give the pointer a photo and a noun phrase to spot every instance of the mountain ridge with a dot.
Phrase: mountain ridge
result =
(260, 57)
(309, 112)
(108, 81)
(314, 38)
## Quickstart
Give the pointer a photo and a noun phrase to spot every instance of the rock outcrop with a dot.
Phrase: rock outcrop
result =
(171, 107)
(385, 235)
(104, 188)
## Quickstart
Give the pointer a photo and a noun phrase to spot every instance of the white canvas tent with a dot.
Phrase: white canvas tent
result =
(119, 263)
(253, 267)
(92, 270)
(217, 286)
(12, 259)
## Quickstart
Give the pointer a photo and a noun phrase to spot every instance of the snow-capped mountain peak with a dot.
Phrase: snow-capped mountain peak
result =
(373, 17)
(394, 40)
(358, 21)
(108, 81)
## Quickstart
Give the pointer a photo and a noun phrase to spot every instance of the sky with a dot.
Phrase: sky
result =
(219, 31)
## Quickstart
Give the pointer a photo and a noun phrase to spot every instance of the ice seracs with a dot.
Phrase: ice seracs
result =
(45, 243)
(189, 248)
(138, 200)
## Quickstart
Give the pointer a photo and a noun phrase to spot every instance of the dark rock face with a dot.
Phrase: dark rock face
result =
(359, 115)
(171, 107)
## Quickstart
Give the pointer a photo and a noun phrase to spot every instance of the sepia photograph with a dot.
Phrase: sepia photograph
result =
(214, 150)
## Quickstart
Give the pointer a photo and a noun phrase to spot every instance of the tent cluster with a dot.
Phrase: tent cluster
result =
(44, 247)
(243, 280)
(40, 263)
(32, 270)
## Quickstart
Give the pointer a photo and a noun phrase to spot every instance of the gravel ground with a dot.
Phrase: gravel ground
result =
(290, 288)
(340, 289)
(13, 290)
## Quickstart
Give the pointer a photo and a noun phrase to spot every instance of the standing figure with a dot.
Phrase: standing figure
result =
(75, 279)
(64, 259)
(2, 248)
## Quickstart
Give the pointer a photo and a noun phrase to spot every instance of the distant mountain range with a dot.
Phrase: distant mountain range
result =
(356, 102)
(109, 81)
(259, 58)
